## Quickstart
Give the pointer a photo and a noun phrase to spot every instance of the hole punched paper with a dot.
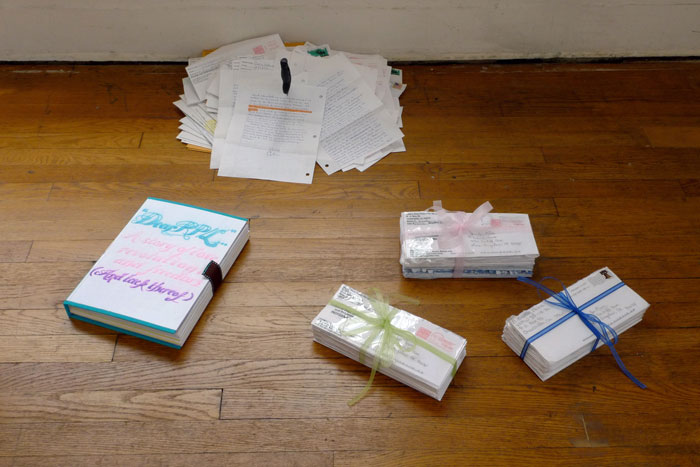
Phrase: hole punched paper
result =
(273, 135)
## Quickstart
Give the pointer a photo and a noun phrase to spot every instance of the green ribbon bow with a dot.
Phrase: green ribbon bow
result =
(390, 337)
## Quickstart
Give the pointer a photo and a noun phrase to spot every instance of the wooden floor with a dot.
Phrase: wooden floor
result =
(604, 157)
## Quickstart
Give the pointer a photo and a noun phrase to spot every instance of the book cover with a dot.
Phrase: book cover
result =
(149, 282)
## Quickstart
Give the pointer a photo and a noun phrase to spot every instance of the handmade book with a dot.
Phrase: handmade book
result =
(159, 274)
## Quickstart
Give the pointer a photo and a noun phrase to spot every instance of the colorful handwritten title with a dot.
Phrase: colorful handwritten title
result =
(144, 285)
(184, 229)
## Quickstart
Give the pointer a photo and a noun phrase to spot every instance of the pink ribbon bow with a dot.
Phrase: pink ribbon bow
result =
(454, 227)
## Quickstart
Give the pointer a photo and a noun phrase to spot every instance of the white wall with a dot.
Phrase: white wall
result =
(398, 29)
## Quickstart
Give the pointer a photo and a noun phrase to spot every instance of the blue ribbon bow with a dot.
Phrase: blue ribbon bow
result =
(599, 329)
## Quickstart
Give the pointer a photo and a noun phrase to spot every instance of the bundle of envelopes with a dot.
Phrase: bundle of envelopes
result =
(549, 337)
(415, 351)
(338, 109)
(441, 244)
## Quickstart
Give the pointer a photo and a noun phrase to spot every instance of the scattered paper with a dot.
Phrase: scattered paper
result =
(360, 122)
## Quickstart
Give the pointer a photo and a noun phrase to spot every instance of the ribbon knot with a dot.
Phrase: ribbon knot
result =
(454, 226)
(454, 230)
(601, 331)
(391, 338)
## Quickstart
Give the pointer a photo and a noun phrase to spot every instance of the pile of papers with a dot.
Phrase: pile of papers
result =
(443, 244)
(548, 347)
(341, 110)
(423, 355)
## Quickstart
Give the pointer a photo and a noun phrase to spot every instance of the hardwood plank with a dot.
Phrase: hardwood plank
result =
(43, 322)
(254, 459)
(563, 92)
(160, 140)
(328, 372)
(397, 171)
(552, 187)
(14, 252)
(98, 157)
(597, 216)
(235, 345)
(558, 431)
(75, 77)
(70, 140)
(506, 138)
(443, 121)
(187, 404)
(649, 267)
(601, 245)
(404, 402)
(223, 188)
(69, 348)
(426, 153)
(608, 222)
(110, 102)
(563, 108)
(672, 136)
(21, 285)
(370, 268)
(41, 229)
(368, 229)
(691, 187)
(647, 163)
(14, 192)
(578, 456)
(104, 173)
(613, 156)
(244, 435)
(555, 171)
(44, 251)
(12, 124)
(54, 124)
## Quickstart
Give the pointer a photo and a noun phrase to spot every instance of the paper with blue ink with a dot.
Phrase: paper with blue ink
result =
(273, 135)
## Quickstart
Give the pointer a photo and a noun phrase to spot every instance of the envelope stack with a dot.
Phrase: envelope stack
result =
(414, 351)
(549, 337)
(443, 244)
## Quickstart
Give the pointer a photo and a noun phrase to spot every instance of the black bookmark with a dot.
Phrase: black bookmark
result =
(286, 76)
(213, 273)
